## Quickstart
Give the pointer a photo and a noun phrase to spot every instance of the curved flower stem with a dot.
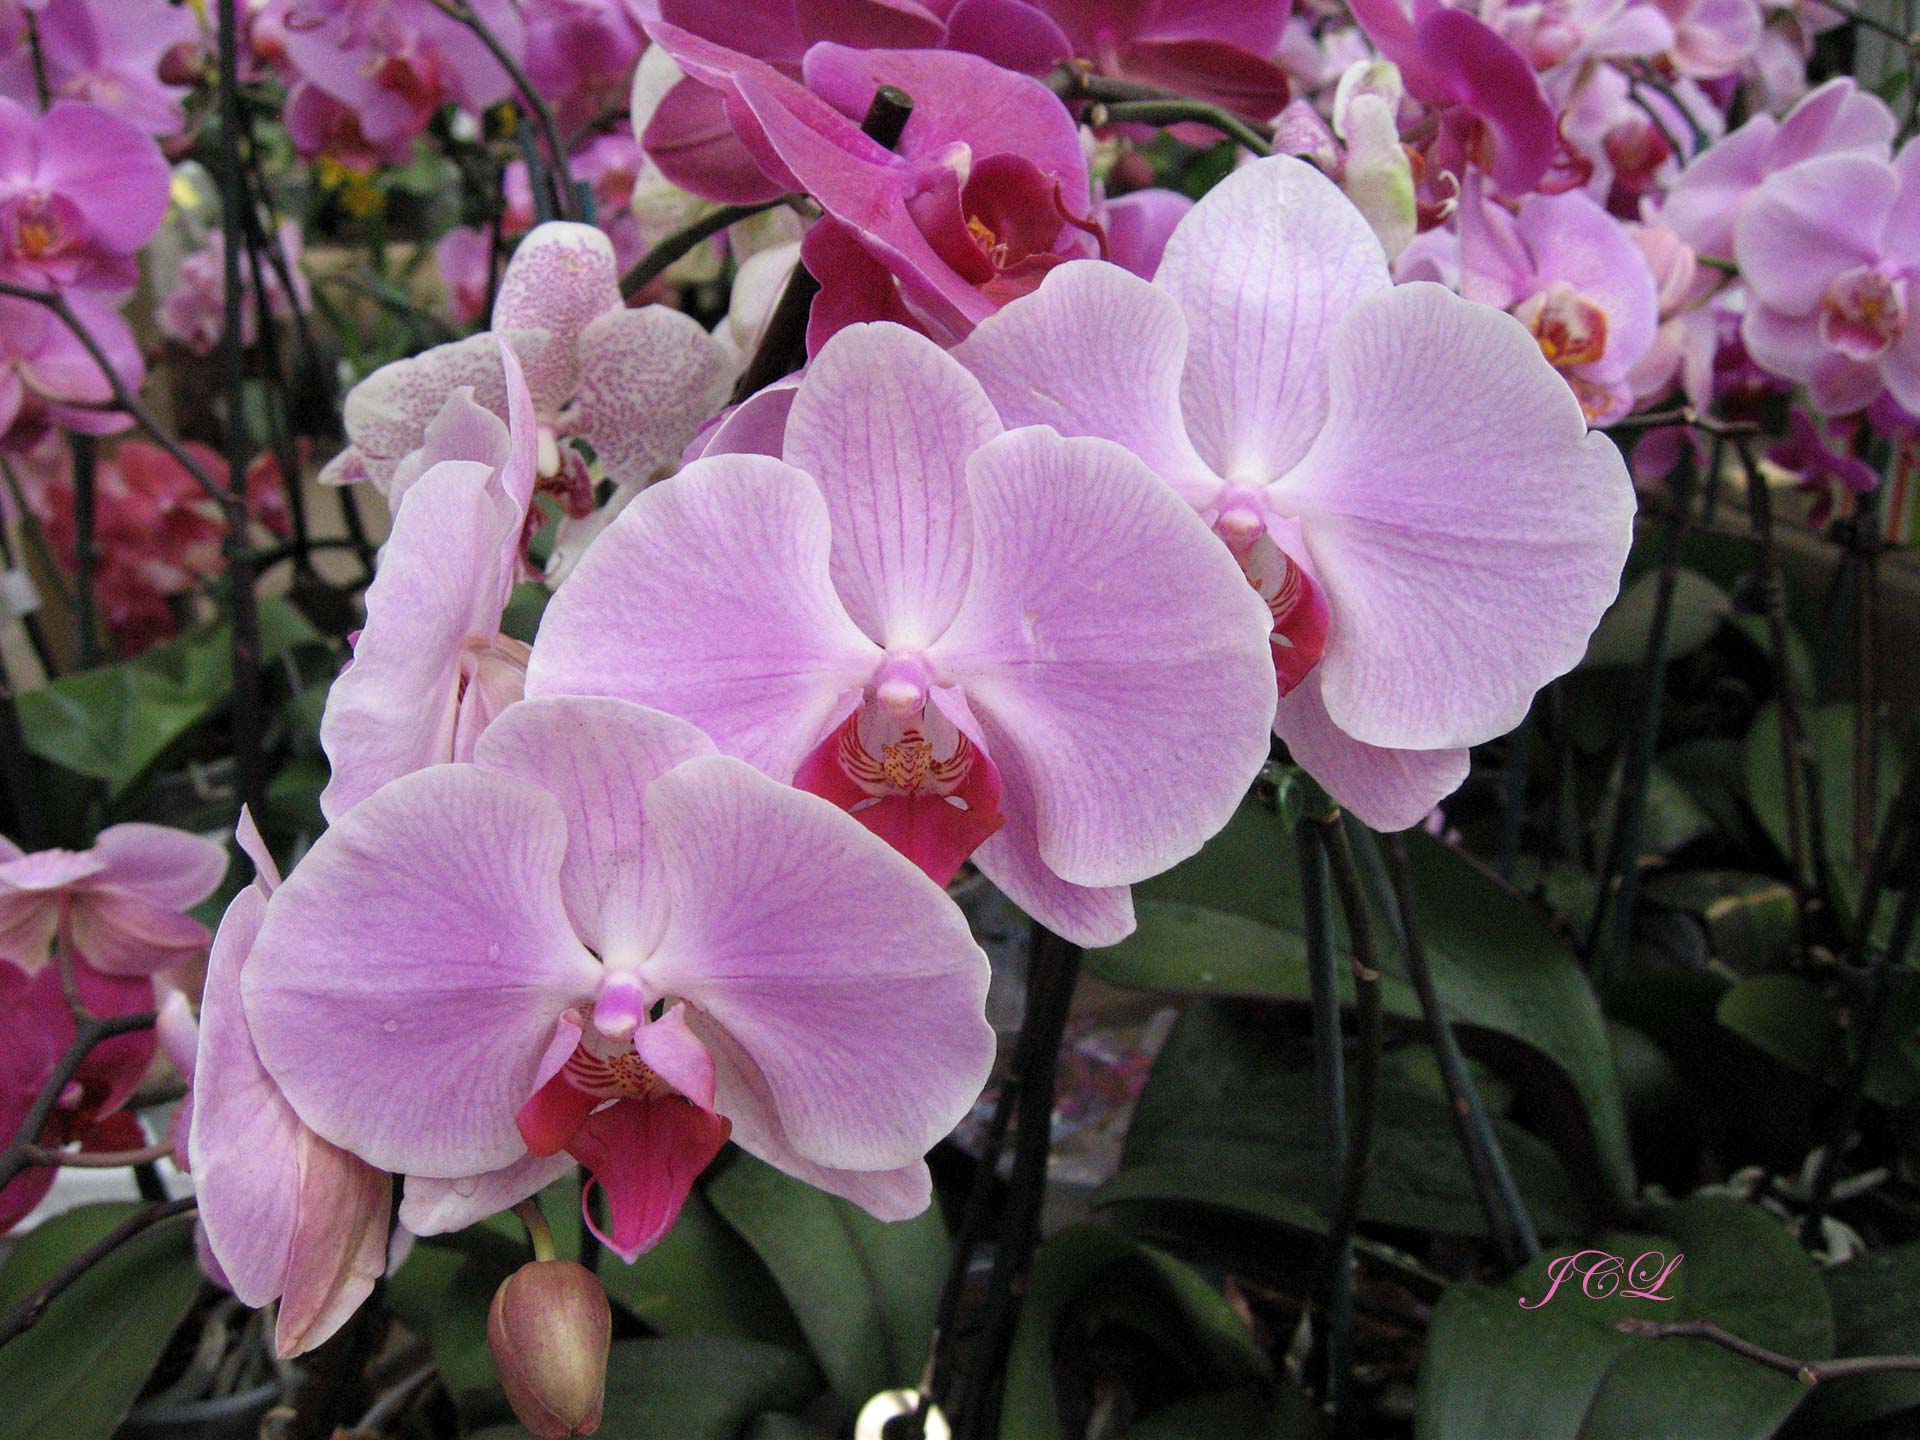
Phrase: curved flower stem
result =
(1120, 100)
(99, 1159)
(1054, 968)
(1807, 1372)
(27, 1314)
(1493, 1182)
(1330, 1097)
(123, 398)
(657, 260)
(1180, 112)
(88, 1032)
(539, 1233)
(464, 14)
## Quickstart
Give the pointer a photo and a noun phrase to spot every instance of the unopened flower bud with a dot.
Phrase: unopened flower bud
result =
(183, 63)
(548, 1328)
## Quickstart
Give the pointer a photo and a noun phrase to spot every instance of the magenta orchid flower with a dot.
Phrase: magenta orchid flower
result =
(1709, 195)
(1006, 645)
(288, 1216)
(1830, 252)
(1217, 52)
(602, 938)
(81, 191)
(1493, 113)
(106, 52)
(580, 56)
(120, 907)
(1574, 277)
(985, 191)
(392, 63)
(430, 668)
(1407, 483)
(635, 384)
(194, 312)
(36, 1028)
(47, 377)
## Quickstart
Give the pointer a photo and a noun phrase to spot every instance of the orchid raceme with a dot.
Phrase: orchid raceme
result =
(430, 669)
(635, 384)
(81, 190)
(1010, 645)
(288, 1216)
(604, 939)
(1406, 480)
(118, 907)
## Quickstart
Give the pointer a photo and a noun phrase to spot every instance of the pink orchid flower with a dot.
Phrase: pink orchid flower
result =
(1493, 113)
(194, 312)
(430, 669)
(1573, 276)
(1709, 195)
(1010, 645)
(580, 56)
(1218, 52)
(635, 384)
(985, 191)
(106, 52)
(47, 377)
(36, 1027)
(464, 256)
(81, 191)
(601, 938)
(1830, 252)
(119, 907)
(394, 62)
(1408, 484)
(287, 1216)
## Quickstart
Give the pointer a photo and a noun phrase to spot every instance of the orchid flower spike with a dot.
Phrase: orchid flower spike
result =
(602, 942)
(430, 668)
(287, 1215)
(1013, 646)
(1404, 478)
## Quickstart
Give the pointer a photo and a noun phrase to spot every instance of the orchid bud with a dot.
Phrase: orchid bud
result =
(183, 63)
(548, 1328)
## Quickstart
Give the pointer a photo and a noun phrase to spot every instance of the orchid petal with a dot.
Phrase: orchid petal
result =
(160, 864)
(339, 1247)
(644, 1156)
(1387, 789)
(438, 1207)
(561, 277)
(648, 378)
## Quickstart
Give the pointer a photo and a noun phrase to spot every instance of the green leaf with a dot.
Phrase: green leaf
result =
(78, 1372)
(1749, 918)
(1698, 609)
(1873, 1314)
(1788, 1018)
(1244, 1414)
(1562, 1371)
(113, 723)
(1228, 1120)
(1181, 1336)
(863, 1290)
(442, 1292)
(1228, 922)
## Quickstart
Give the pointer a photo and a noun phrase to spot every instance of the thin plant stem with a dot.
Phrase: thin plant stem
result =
(1807, 1372)
(1182, 112)
(89, 1031)
(1119, 100)
(99, 1159)
(27, 1314)
(967, 1240)
(1370, 1028)
(460, 11)
(682, 241)
(539, 1233)
(1493, 1183)
(1055, 966)
(41, 89)
(1330, 1098)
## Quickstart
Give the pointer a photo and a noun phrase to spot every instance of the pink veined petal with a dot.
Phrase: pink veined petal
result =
(404, 987)
(765, 29)
(1900, 368)
(1787, 345)
(113, 172)
(161, 864)
(1832, 117)
(1264, 267)
(124, 935)
(1841, 385)
(843, 972)
(756, 426)
(244, 1142)
(648, 378)
(709, 598)
(896, 1194)
(1808, 223)
(722, 69)
(339, 1246)
(644, 1155)
(560, 278)
(1901, 239)
(437, 1207)
(1090, 916)
(1466, 528)
(596, 756)
(692, 140)
(884, 423)
(392, 710)
(1095, 351)
(1703, 200)
(1496, 267)
(1256, 27)
(1114, 643)
(1388, 789)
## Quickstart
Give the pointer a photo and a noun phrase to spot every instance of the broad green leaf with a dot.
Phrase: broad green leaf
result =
(1243, 1414)
(113, 723)
(442, 1292)
(1749, 918)
(1699, 607)
(1790, 1019)
(1874, 1313)
(863, 1290)
(1088, 1279)
(1228, 1121)
(1228, 922)
(76, 1373)
(1563, 1371)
